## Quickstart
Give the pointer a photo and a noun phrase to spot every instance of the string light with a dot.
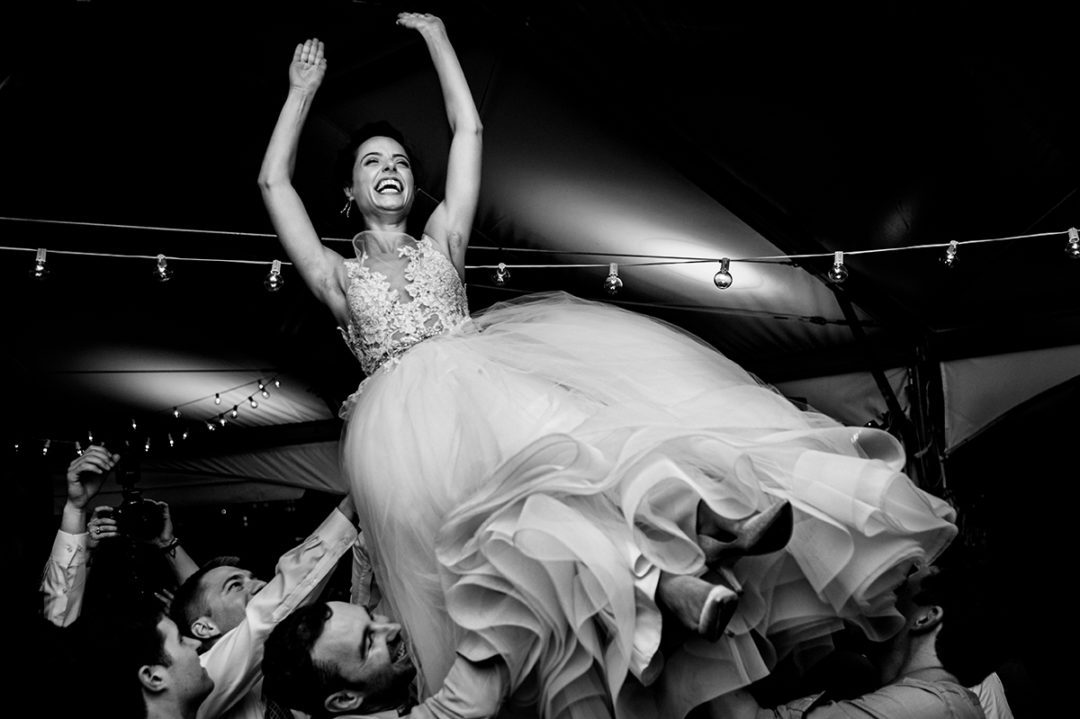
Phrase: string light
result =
(612, 283)
(176, 412)
(950, 254)
(172, 442)
(217, 398)
(501, 275)
(262, 389)
(134, 426)
(838, 273)
(235, 412)
(162, 273)
(211, 426)
(78, 449)
(254, 404)
(45, 447)
(146, 447)
(274, 281)
(277, 382)
(40, 271)
(723, 279)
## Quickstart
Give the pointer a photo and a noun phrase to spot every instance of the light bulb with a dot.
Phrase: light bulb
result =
(176, 412)
(184, 434)
(274, 281)
(40, 271)
(838, 273)
(950, 253)
(222, 420)
(254, 403)
(277, 382)
(78, 448)
(723, 278)
(235, 412)
(45, 447)
(612, 283)
(147, 446)
(217, 399)
(211, 426)
(162, 273)
(133, 425)
(172, 442)
(501, 275)
(1072, 249)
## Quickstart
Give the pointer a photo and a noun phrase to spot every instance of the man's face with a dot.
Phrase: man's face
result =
(227, 591)
(368, 653)
(187, 675)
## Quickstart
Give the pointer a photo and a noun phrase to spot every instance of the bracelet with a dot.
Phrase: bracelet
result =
(170, 548)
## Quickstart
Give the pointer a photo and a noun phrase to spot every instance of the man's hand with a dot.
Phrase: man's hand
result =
(101, 526)
(166, 536)
(87, 473)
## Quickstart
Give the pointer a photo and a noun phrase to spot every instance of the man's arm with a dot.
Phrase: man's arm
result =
(471, 690)
(63, 582)
(235, 660)
(902, 700)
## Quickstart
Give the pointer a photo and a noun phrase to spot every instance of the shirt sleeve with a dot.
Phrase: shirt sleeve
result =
(470, 691)
(234, 662)
(63, 583)
(903, 700)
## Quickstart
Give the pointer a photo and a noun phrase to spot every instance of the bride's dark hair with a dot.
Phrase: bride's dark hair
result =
(380, 128)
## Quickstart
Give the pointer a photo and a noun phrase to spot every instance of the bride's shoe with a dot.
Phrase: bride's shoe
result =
(700, 606)
(725, 540)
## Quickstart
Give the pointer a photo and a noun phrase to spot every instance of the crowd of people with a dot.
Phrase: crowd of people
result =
(552, 508)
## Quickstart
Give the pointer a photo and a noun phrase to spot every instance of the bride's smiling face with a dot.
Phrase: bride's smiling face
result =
(383, 178)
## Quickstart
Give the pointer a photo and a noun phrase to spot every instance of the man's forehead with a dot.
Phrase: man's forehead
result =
(217, 577)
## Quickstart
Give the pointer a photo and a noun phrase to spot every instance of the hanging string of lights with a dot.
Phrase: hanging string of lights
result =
(613, 283)
(168, 432)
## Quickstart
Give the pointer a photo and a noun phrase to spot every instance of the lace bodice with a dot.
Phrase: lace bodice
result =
(390, 312)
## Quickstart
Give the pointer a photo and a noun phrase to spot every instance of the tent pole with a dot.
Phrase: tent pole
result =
(896, 413)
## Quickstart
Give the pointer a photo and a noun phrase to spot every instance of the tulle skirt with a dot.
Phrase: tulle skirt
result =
(522, 479)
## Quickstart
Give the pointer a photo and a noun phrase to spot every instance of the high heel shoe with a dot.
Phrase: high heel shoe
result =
(698, 605)
(725, 540)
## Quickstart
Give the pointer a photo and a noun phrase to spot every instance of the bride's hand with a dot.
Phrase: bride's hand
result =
(308, 66)
(420, 21)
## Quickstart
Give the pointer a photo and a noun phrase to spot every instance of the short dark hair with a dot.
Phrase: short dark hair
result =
(189, 601)
(290, 675)
(346, 159)
(966, 642)
(121, 642)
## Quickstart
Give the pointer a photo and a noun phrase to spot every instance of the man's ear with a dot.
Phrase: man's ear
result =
(928, 618)
(205, 628)
(344, 700)
(152, 677)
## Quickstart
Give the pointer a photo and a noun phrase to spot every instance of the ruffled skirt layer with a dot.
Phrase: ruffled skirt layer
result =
(522, 479)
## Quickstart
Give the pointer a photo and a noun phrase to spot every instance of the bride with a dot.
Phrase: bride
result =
(553, 486)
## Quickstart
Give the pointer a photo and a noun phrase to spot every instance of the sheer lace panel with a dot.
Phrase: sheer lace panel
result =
(400, 292)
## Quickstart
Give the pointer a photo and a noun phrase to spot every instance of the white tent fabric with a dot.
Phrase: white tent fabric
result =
(278, 473)
(979, 390)
(852, 399)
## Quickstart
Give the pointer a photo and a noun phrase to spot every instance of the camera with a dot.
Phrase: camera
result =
(136, 517)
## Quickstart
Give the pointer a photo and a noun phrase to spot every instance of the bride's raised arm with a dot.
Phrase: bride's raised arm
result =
(451, 222)
(319, 266)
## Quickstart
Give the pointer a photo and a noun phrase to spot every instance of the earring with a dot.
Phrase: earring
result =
(347, 209)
